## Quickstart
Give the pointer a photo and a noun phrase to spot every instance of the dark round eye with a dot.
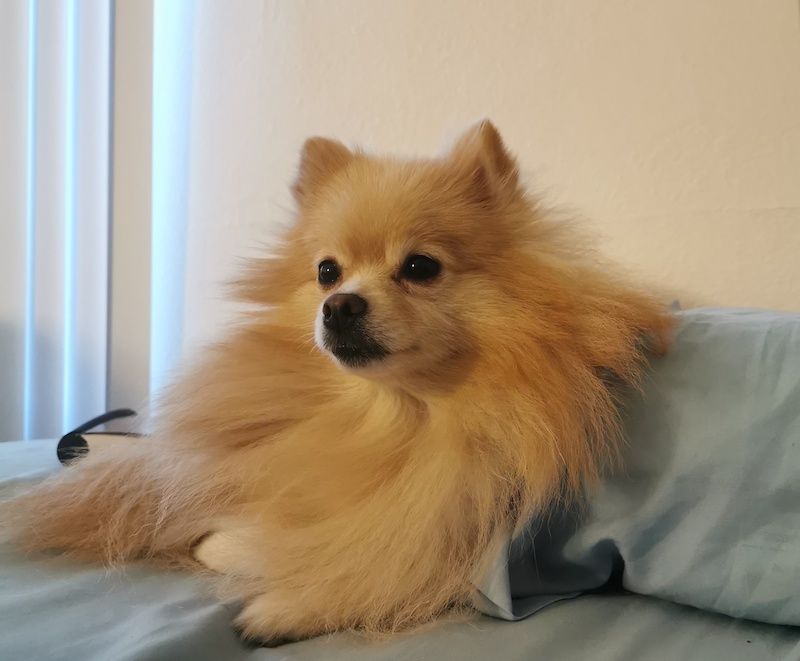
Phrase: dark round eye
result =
(328, 272)
(420, 268)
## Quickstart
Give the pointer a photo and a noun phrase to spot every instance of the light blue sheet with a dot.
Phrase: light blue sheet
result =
(707, 509)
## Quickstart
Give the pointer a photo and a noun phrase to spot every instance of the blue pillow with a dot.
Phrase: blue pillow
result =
(706, 510)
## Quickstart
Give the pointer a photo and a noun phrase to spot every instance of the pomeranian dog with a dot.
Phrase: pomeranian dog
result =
(429, 363)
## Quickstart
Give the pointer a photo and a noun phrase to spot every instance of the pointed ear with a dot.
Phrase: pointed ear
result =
(488, 169)
(319, 159)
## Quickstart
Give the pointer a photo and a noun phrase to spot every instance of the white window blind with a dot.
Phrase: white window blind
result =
(54, 165)
(94, 123)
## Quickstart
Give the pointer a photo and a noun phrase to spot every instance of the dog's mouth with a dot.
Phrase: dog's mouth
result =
(352, 344)
(354, 347)
(357, 354)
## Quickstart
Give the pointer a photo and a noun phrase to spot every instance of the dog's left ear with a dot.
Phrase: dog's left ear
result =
(319, 159)
(486, 167)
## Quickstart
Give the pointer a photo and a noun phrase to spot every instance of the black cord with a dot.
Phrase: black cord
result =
(73, 445)
(101, 419)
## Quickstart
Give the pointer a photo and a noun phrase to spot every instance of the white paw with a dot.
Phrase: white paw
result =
(218, 552)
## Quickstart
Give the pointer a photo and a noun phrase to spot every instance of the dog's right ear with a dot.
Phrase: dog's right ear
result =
(320, 158)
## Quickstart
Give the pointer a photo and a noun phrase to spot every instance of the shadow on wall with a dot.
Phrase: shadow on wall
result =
(12, 382)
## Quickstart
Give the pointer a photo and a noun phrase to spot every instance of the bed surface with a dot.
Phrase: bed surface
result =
(52, 609)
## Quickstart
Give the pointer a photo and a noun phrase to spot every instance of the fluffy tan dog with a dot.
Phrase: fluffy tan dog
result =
(430, 363)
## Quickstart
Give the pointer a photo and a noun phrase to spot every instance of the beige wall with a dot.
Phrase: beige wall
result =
(672, 126)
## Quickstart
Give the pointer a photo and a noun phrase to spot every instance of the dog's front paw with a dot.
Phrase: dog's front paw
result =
(213, 551)
(255, 642)
(227, 552)
(264, 622)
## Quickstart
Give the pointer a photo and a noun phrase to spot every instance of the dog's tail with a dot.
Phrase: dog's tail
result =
(115, 504)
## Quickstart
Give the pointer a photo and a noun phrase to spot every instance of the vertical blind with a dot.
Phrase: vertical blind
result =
(55, 77)
(95, 118)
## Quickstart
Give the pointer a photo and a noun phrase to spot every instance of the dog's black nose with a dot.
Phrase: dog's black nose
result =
(340, 311)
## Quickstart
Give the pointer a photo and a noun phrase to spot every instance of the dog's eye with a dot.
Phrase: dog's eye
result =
(420, 268)
(329, 272)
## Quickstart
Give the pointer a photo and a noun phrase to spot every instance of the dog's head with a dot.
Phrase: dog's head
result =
(393, 263)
